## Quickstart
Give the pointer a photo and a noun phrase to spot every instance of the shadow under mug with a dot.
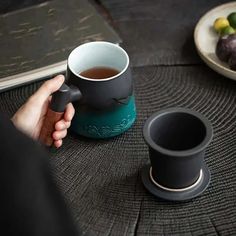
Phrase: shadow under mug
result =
(107, 106)
(177, 140)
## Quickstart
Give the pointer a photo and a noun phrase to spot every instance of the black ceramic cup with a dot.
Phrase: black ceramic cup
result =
(104, 107)
(177, 140)
(103, 93)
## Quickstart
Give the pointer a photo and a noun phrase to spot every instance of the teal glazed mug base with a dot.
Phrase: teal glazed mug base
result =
(105, 123)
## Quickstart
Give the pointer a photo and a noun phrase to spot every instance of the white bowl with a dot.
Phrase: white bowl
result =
(206, 38)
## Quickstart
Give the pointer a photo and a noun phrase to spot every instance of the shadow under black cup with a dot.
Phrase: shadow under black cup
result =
(177, 140)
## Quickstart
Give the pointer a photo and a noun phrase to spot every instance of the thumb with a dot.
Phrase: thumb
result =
(49, 87)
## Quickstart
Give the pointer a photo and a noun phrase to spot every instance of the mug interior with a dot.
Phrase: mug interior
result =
(177, 131)
(98, 54)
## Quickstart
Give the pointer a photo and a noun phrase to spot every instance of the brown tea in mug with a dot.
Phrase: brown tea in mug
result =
(99, 72)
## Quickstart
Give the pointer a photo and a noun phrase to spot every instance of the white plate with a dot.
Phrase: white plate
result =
(206, 38)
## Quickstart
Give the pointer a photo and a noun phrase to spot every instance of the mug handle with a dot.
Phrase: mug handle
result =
(56, 110)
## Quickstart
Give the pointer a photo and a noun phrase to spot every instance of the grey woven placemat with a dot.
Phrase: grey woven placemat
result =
(101, 179)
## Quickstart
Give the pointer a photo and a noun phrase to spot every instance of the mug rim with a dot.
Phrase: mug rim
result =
(99, 42)
(179, 153)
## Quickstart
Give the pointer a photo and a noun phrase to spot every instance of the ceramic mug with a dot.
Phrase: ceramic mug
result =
(107, 107)
(104, 107)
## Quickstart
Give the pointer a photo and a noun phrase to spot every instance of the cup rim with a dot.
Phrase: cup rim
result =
(180, 153)
(99, 42)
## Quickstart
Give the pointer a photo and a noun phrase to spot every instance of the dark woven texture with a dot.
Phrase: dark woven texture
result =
(101, 179)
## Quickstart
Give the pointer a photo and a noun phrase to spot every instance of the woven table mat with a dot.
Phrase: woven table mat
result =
(101, 179)
(157, 32)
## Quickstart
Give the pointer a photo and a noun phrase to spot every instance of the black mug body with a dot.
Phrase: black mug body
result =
(100, 93)
(106, 107)
(103, 94)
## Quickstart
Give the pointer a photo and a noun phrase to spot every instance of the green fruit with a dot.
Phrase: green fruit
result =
(227, 30)
(232, 19)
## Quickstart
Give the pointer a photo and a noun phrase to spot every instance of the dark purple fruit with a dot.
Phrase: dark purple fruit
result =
(232, 60)
(225, 46)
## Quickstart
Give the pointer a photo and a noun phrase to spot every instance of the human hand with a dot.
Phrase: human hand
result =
(29, 118)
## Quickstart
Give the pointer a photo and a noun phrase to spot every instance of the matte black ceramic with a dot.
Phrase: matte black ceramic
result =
(105, 107)
(177, 140)
(103, 93)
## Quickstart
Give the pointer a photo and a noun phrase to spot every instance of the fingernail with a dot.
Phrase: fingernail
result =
(59, 77)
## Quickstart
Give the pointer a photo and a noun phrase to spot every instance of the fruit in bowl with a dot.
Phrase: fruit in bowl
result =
(227, 31)
(226, 45)
(220, 23)
(232, 61)
(232, 19)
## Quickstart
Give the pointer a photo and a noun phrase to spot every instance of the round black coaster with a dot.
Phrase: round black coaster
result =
(177, 194)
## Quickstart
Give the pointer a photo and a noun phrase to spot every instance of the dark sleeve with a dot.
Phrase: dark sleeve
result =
(30, 203)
